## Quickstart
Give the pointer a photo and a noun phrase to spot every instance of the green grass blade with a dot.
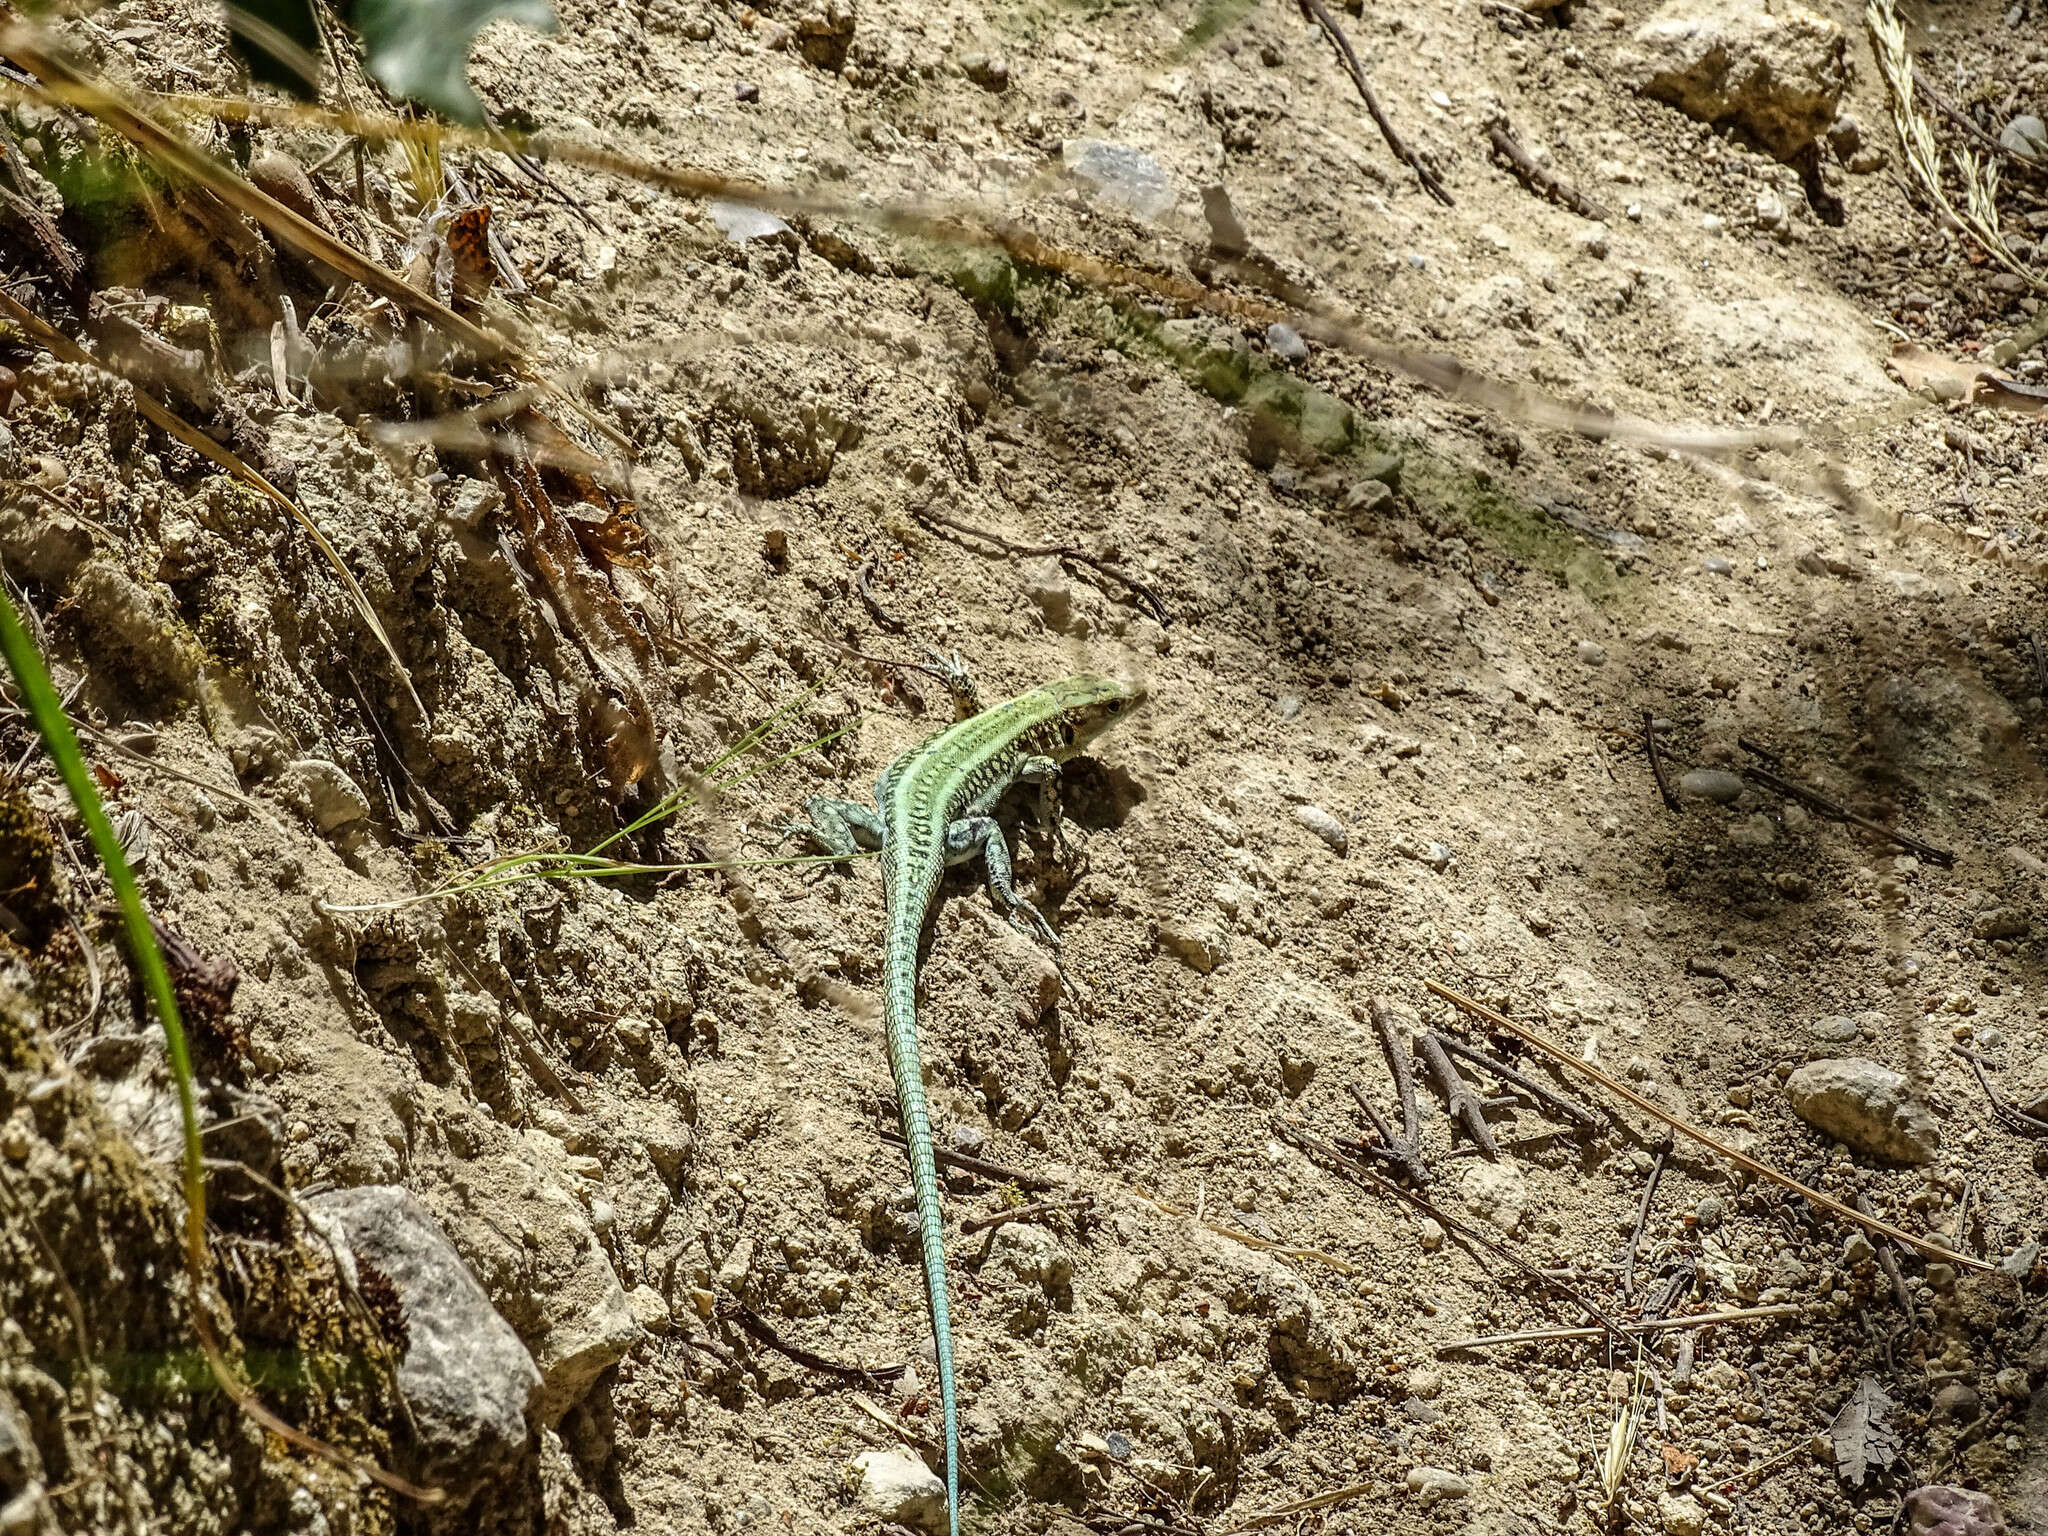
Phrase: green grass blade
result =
(47, 712)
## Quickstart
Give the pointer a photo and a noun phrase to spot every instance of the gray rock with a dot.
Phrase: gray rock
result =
(1865, 1106)
(1714, 565)
(1837, 1029)
(1325, 826)
(1681, 1514)
(1592, 653)
(1367, 496)
(895, 1485)
(2000, 923)
(1496, 1192)
(2026, 135)
(466, 1377)
(1226, 229)
(1433, 1485)
(325, 793)
(1942, 1510)
(1033, 1255)
(472, 501)
(1283, 341)
(742, 222)
(1959, 1402)
(1710, 1212)
(1197, 942)
(1715, 784)
(1047, 586)
(1121, 176)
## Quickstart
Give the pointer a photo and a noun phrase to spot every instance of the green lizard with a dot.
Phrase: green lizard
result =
(933, 807)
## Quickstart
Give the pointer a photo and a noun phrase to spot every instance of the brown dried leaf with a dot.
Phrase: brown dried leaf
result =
(1678, 1462)
(1946, 378)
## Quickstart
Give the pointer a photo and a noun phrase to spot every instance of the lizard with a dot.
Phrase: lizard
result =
(934, 808)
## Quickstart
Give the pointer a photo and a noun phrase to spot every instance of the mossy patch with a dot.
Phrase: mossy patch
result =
(1285, 415)
(28, 872)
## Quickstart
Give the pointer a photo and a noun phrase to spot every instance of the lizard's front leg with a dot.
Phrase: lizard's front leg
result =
(980, 834)
(841, 827)
(1045, 773)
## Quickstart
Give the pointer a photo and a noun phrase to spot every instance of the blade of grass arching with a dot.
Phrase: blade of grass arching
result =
(700, 789)
(66, 86)
(167, 420)
(701, 783)
(39, 697)
(568, 866)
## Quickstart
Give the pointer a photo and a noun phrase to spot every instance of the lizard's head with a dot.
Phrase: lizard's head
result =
(1090, 704)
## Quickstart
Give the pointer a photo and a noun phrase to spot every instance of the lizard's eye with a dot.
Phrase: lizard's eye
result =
(1116, 706)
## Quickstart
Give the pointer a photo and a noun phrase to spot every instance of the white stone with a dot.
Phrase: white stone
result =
(895, 1485)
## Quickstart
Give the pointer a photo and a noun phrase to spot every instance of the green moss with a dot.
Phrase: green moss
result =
(1213, 18)
(1287, 410)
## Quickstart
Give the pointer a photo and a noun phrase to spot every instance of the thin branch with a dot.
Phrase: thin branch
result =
(1658, 1325)
(2008, 1114)
(1762, 1170)
(1463, 1103)
(1146, 597)
(1635, 1239)
(1402, 1153)
(1080, 1205)
(758, 1328)
(1834, 812)
(1549, 1098)
(1540, 181)
(968, 1163)
(1657, 761)
(1320, 13)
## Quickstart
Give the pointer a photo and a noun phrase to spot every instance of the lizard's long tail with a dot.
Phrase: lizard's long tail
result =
(899, 1012)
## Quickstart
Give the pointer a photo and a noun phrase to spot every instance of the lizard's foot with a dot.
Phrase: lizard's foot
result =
(959, 681)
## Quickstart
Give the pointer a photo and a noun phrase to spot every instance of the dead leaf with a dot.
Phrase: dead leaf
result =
(1678, 1462)
(1946, 378)
(1864, 1439)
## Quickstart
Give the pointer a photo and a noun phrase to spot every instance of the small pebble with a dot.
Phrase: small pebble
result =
(1591, 653)
(1715, 784)
(1325, 826)
(1285, 342)
(746, 90)
(1714, 565)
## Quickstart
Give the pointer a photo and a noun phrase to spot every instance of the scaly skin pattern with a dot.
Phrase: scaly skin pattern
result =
(934, 805)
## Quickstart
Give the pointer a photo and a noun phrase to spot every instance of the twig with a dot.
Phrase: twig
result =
(1260, 1517)
(968, 1163)
(1655, 1325)
(1685, 1128)
(2040, 663)
(1962, 120)
(1334, 1154)
(1146, 597)
(1759, 751)
(757, 1327)
(1540, 181)
(1320, 13)
(1261, 1244)
(1635, 1238)
(882, 616)
(2008, 1114)
(1464, 1105)
(1079, 1205)
(1657, 761)
(1402, 1153)
(1834, 812)
(1549, 1098)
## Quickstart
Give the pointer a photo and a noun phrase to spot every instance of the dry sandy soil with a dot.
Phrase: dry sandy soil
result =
(1395, 734)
